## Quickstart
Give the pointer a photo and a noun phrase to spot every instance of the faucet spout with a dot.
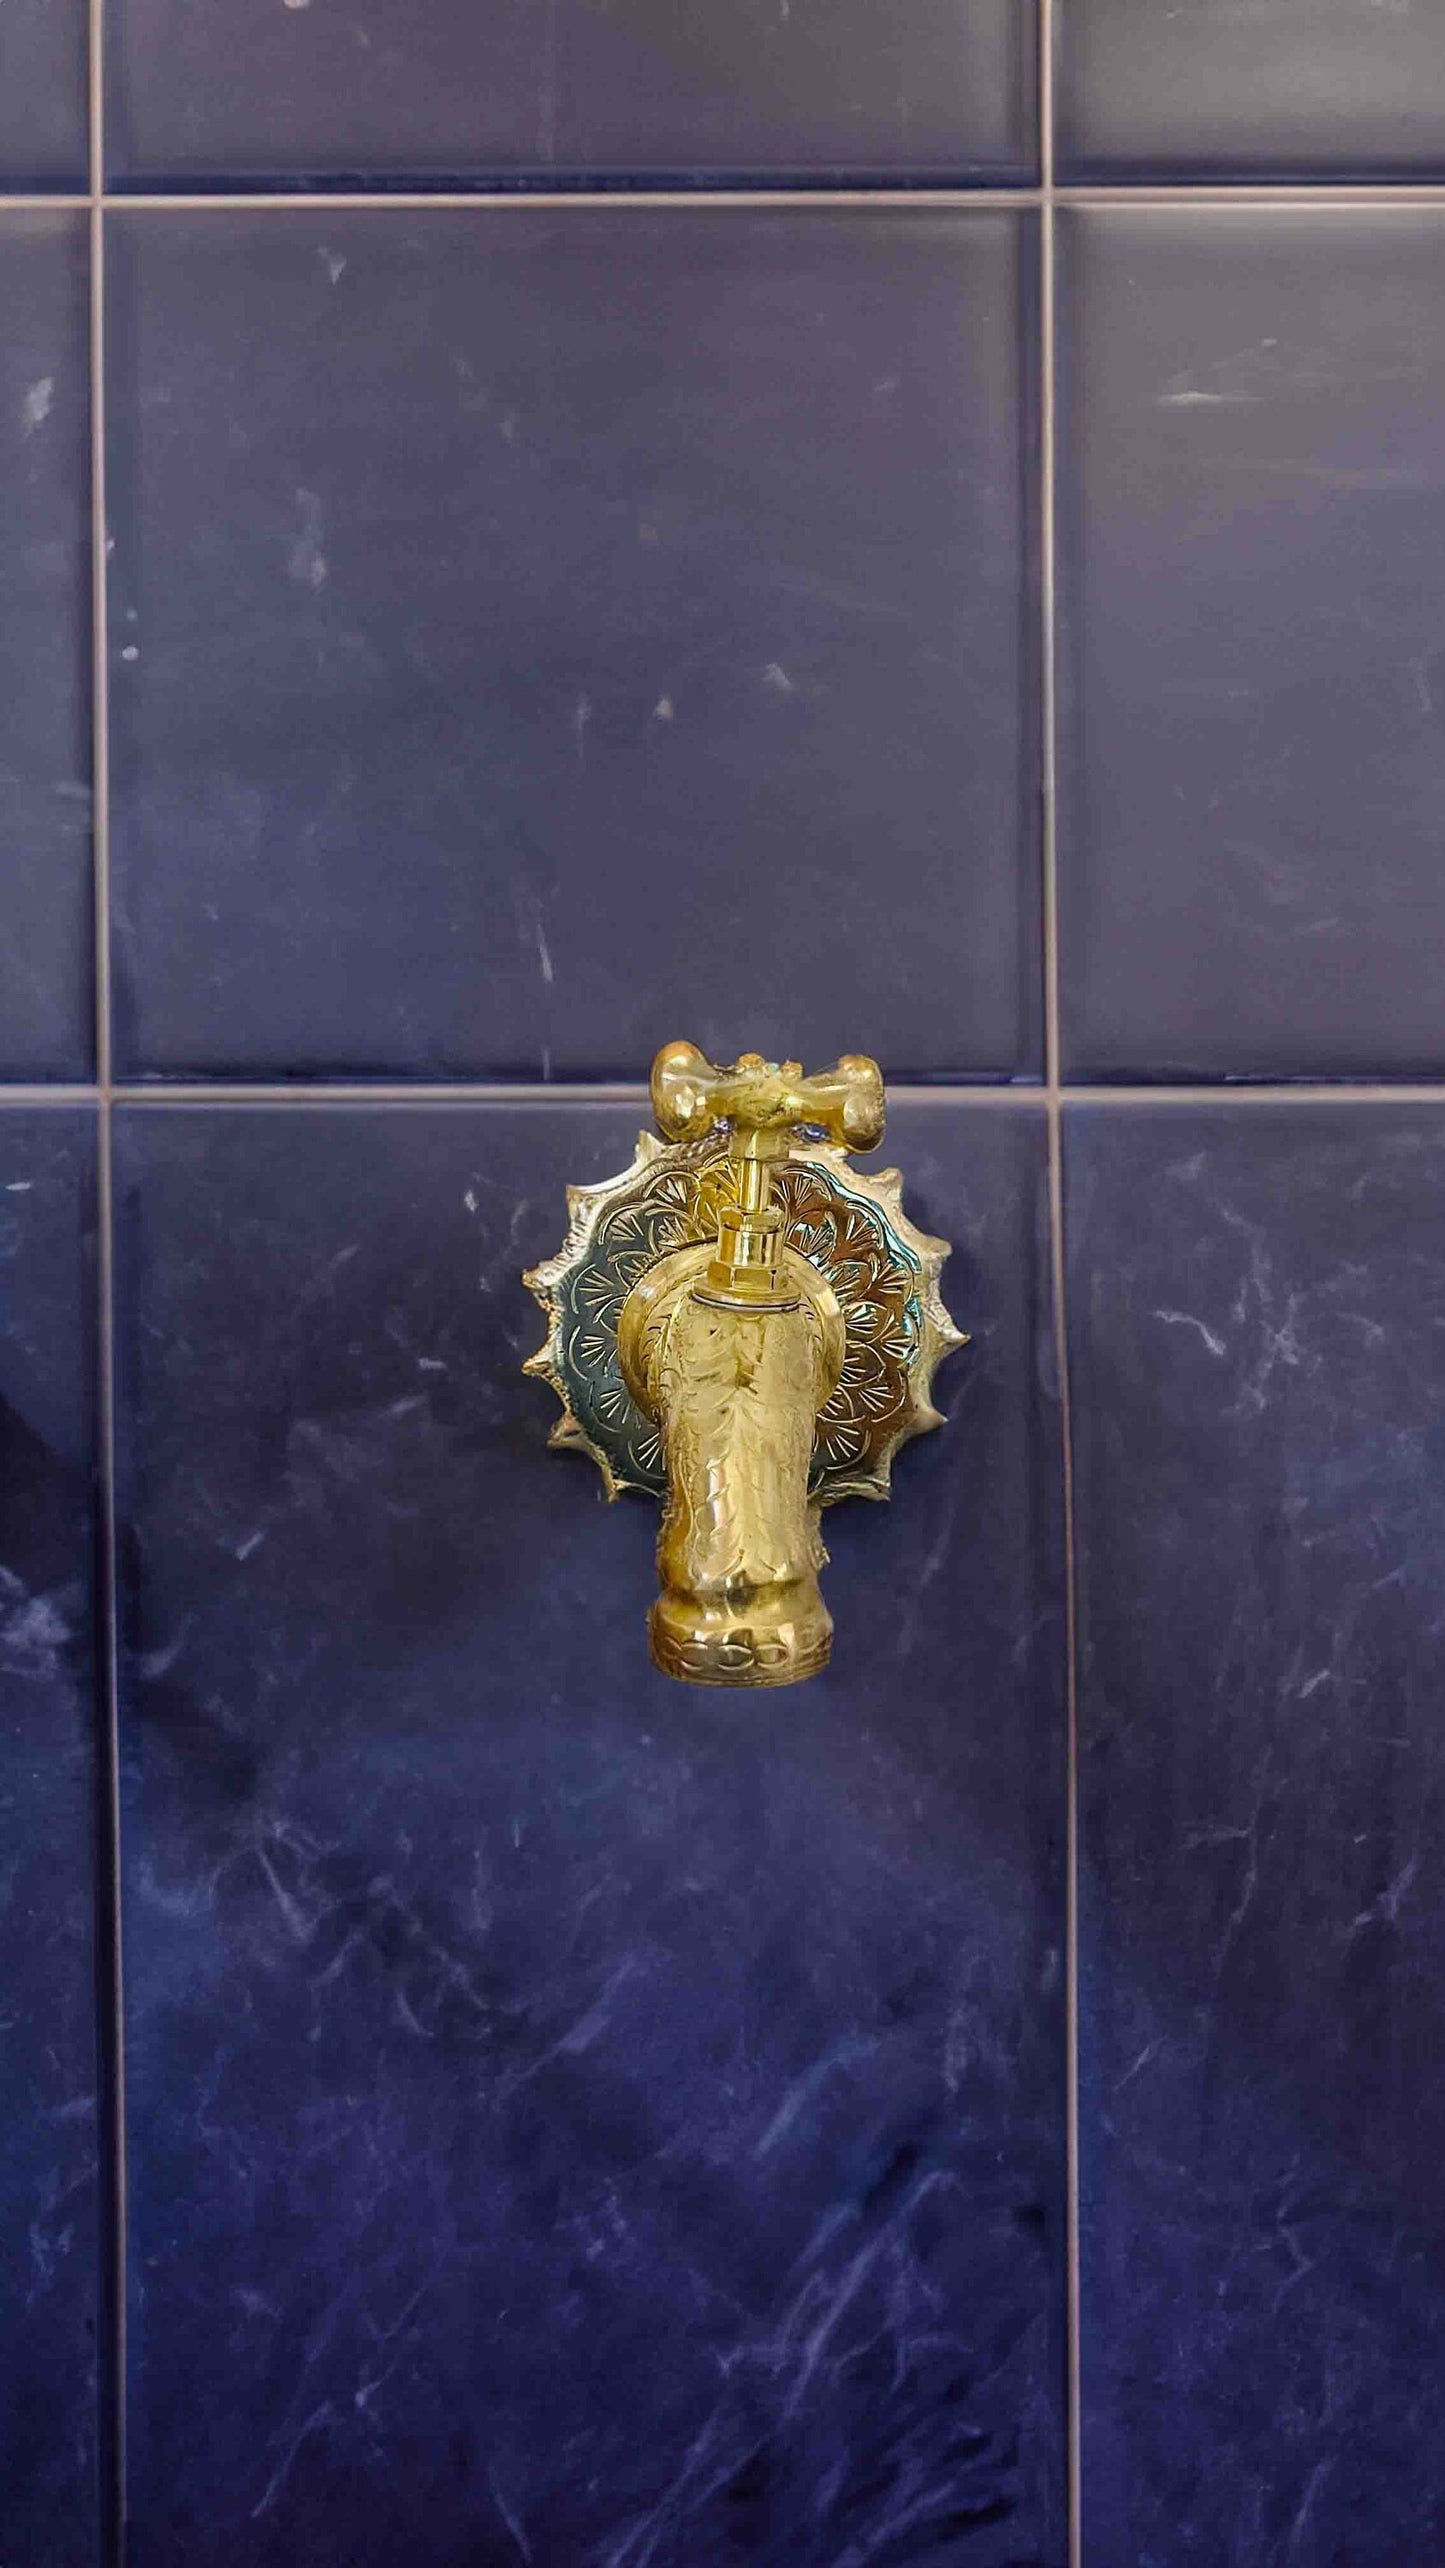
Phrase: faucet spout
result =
(735, 1374)
(737, 1392)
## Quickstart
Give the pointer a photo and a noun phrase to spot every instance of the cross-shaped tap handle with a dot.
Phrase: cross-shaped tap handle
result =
(690, 1094)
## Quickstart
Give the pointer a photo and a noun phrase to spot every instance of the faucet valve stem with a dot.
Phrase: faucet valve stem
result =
(763, 1102)
(745, 1274)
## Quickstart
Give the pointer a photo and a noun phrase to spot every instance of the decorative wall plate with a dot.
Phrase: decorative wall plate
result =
(872, 1278)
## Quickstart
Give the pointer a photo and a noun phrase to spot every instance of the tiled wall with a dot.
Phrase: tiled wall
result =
(532, 527)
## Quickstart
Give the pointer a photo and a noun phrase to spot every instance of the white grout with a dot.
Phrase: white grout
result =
(113, 2442)
(1057, 1270)
(1241, 197)
(954, 1094)
(553, 200)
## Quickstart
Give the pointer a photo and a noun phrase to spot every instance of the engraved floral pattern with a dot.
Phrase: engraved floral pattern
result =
(885, 1284)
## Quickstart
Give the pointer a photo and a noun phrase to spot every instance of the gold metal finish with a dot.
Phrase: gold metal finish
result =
(743, 1324)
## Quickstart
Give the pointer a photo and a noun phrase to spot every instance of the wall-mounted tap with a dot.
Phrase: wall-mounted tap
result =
(744, 1324)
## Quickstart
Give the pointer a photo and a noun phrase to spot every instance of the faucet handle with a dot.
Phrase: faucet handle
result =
(690, 1094)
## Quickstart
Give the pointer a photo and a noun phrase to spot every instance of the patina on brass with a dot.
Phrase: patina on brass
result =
(745, 1325)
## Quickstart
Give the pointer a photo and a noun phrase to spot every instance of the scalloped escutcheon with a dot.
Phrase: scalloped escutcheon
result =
(852, 1228)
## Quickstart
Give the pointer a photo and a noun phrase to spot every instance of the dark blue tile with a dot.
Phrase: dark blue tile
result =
(571, 2115)
(45, 881)
(49, 2251)
(1252, 760)
(534, 631)
(1313, 90)
(459, 89)
(1257, 1321)
(43, 95)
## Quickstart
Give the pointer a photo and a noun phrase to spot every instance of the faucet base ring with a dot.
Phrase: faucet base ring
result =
(783, 1650)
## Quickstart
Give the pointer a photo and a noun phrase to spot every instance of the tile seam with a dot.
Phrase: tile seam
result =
(1048, 812)
(1020, 1098)
(1241, 196)
(113, 2360)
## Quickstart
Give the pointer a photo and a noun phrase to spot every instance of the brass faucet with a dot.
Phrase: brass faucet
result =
(744, 1324)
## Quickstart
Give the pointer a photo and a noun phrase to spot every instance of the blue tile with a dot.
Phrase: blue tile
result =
(1252, 757)
(49, 2253)
(463, 89)
(45, 879)
(1218, 90)
(570, 2114)
(1257, 1323)
(43, 117)
(534, 633)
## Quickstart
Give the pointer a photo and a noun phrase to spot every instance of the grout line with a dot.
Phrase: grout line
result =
(1019, 1096)
(1280, 195)
(1260, 1092)
(59, 1092)
(1047, 593)
(1048, 175)
(612, 1092)
(1048, 716)
(1143, 197)
(1283, 197)
(1074, 2315)
(99, 590)
(553, 1092)
(1033, 1098)
(112, 2045)
(584, 200)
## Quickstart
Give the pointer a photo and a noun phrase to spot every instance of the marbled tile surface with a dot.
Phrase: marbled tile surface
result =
(45, 884)
(533, 630)
(1252, 747)
(49, 2275)
(42, 95)
(573, 2117)
(1330, 89)
(455, 89)
(1257, 1314)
